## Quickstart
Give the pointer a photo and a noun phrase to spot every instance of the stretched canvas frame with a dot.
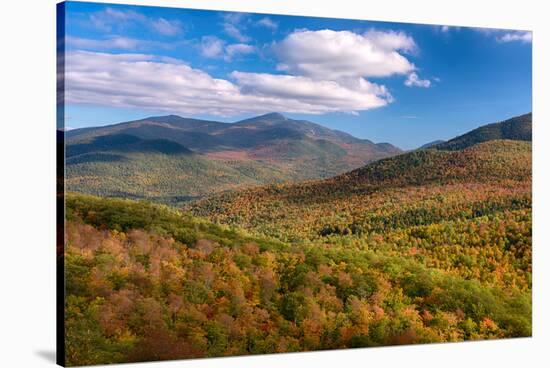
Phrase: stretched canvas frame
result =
(267, 232)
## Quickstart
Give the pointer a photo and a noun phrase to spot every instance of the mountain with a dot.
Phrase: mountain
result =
(173, 159)
(516, 128)
(250, 134)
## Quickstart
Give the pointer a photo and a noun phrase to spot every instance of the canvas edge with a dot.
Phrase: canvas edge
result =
(60, 185)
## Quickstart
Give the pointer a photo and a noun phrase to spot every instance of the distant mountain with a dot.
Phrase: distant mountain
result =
(517, 128)
(252, 134)
(149, 158)
(431, 144)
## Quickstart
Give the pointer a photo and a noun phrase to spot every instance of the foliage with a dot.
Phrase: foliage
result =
(140, 290)
(428, 246)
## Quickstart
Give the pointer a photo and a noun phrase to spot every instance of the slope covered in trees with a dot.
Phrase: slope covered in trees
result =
(416, 188)
(432, 245)
(146, 282)
(517, 128)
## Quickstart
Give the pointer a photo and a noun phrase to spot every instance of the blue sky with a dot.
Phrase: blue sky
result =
(406, 84)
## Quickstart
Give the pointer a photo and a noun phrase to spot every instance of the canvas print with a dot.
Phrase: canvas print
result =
(240, 183)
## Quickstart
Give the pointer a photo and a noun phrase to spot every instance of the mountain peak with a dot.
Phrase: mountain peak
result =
(164, 117)
(269, 119)
(273, 115)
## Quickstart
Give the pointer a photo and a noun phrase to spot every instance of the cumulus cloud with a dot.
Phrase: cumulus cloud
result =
(324, 71)
(333, 55)
(414, 81)
(267, 23)
(525, 37)
(319, 94)
(110, 19)
(147, 81)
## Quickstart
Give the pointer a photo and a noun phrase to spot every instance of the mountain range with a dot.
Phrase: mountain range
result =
(173, 159)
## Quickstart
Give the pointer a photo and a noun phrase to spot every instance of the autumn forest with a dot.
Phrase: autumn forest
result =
(305, 241)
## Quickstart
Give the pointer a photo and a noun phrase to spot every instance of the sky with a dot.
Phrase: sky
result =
(406, 84)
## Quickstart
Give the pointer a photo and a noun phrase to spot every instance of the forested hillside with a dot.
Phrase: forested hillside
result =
(416, 188)
(146, 282)
(427, 246)
(517, 128)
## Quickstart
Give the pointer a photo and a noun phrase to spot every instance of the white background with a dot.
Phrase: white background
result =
(27, 179)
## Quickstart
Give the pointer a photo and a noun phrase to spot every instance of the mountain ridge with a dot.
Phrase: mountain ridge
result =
(515, 128)
(193, 158)
(220, 129)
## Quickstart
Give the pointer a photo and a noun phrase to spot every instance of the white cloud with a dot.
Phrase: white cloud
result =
(149, 82)
(231, 26)
(234, 32)
(120, 43)
(110, 43)
(235, 17)
(165, 27)
(321, 95)
(333, 55)
(487, 31)
(414, 81)
(267, 22)
(518, 36)
(111, 19)
(212, 47)
(238, 49)
(108, 18)
(391, 40)
(326, 71)
(505, 36)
